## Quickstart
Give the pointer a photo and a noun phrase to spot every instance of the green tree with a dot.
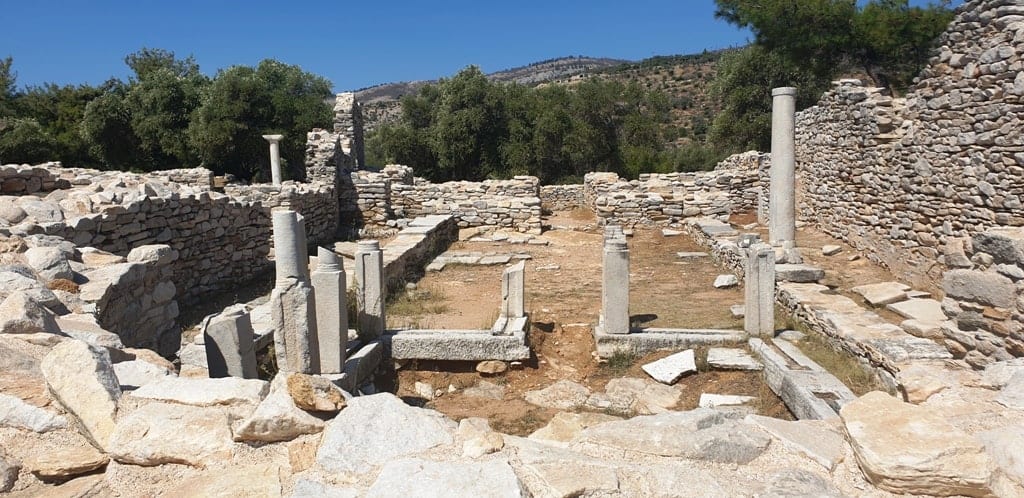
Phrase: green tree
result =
(8, 79)
(23, 140)
(106, 129)
(59, 111)
(894, 39)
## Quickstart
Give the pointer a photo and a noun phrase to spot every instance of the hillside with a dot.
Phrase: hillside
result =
(684, 79)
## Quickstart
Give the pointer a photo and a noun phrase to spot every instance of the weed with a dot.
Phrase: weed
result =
(843, 366)
(621, 360)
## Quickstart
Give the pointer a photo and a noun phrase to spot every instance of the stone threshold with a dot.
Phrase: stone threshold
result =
(456, 345)
(808, 390)
(646, 340)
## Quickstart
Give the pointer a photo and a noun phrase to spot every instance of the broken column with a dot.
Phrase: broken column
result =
(331, 311)
(370, 289)
(782, 199)
(759, 309)
(275, 157)
(292, 302)
(615, 287)
(230, 344)
(513, 288)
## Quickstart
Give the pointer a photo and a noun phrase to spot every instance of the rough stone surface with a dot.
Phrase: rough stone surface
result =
(427, 479)
(8, 472)
(277, 418)
(883, 293)
(159, 433)
(1012, 394)
(726, 281)
(909, 449)
(792, 483)
(81, 378)
(20, 415)
(315, 393)
(1005, 446)
(305, 488)
(562, 395)
(732, 359)
(671, 368)
(20, 314)
(205, 392)
(564, 426)
(232, 481)
(799, 273)
(665, 434)
(66, 462)
(49, 263)
(376, 429)
(716, 400)
(137, 373)
(817, 440)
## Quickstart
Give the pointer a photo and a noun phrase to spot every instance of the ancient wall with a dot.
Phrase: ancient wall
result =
(562, 197)
(348, 125)
(734, 185)
(912, 181)
(899, 177)
(24, 179)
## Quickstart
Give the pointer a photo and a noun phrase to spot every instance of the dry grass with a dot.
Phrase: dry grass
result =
(412, 305)
(842, 365)
(63, 285)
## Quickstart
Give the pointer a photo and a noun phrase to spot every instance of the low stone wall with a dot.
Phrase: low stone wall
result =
(985, 296)
(408, 253)
(23, 179)
(562, 197)
(379, 199)
(735, 185)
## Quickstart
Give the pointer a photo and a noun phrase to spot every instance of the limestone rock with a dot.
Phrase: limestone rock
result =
(708, 400)
(133, 374)
(159, 254)
(565, 473)
(812, 438)
(20, 415)
(798, 273)
(732, 359)
(566, 425)
(997, 375)
(831, 250)
(562, 395)
(424, 390)
(665, 434)
(640, 396)
(729, 442)
(1012, 394)
(11, 281)
(484, 389)
(379, 428)
(922, 310)
(315, 393)
(49, 263)
(883, 293)
(1005, 446)
(260, 480)
(670, 369)
(305, 488)
(793, 483)
(66, 462)
(428, 479)
(277, 418)
(910, 449)
(726, 281)
(20, 314)
(81, 378)
(84, 328)
(159, 433)
(205, 392)
(980, 287)
(491, 367)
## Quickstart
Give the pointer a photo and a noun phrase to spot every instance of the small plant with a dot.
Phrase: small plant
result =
(621, 360)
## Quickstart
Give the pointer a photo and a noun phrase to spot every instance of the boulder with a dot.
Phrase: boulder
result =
(11, 281)
(85, 328)
(315, 393)
(65, 462)
(20, 314)
(49, 263)
(20, 415)
(225, 391)
(726, 281)
(160, 254)
(379, 428)
(81, 378)
(562, 395)
(159, 433)
(988, 288)
(910, 449)
(665, 434)
(277, 418)
(428, 479)
(9, 469)
(637, 396)
(134, 374)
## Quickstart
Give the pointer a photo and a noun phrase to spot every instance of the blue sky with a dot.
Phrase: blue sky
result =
(353, 44)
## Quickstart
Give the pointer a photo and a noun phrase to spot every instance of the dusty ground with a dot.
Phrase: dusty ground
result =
(564, 303)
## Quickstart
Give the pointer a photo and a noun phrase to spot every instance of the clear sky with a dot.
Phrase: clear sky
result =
(353, 44)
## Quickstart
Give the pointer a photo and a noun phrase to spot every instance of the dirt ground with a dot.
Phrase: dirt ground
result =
(563, 289)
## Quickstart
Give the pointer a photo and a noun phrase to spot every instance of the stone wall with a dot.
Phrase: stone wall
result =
(348, 125)
(899, 177)
(735, 185)
(562, 197)
(23, 179)
(382, 199)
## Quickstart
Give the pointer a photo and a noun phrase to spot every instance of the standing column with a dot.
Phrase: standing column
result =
(615, 287)
(292, 302)
(782, 203)
(275, 157)
(759, 304)
(331, 311)
(513, 288)
(370, 289)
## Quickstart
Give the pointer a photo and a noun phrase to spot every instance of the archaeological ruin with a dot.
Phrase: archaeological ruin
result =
(840, 316)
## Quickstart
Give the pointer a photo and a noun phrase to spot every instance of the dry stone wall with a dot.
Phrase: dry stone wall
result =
(900, 177)
(562, 197)
(734, 185)
(25, 179)
(922, 183)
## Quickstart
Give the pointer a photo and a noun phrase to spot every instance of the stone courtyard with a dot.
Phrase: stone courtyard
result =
(842, 316)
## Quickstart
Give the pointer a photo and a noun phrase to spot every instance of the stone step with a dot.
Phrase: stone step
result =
(808, 390)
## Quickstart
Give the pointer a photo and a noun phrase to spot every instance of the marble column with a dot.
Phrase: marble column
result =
(275, 157)
(782, 202)
(759, 282)
(370, 289)
(513, 288)
(331, 311)
(615, 287)
(293, 302)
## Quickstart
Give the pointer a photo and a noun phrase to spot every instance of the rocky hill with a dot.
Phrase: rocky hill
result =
(684, 79)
